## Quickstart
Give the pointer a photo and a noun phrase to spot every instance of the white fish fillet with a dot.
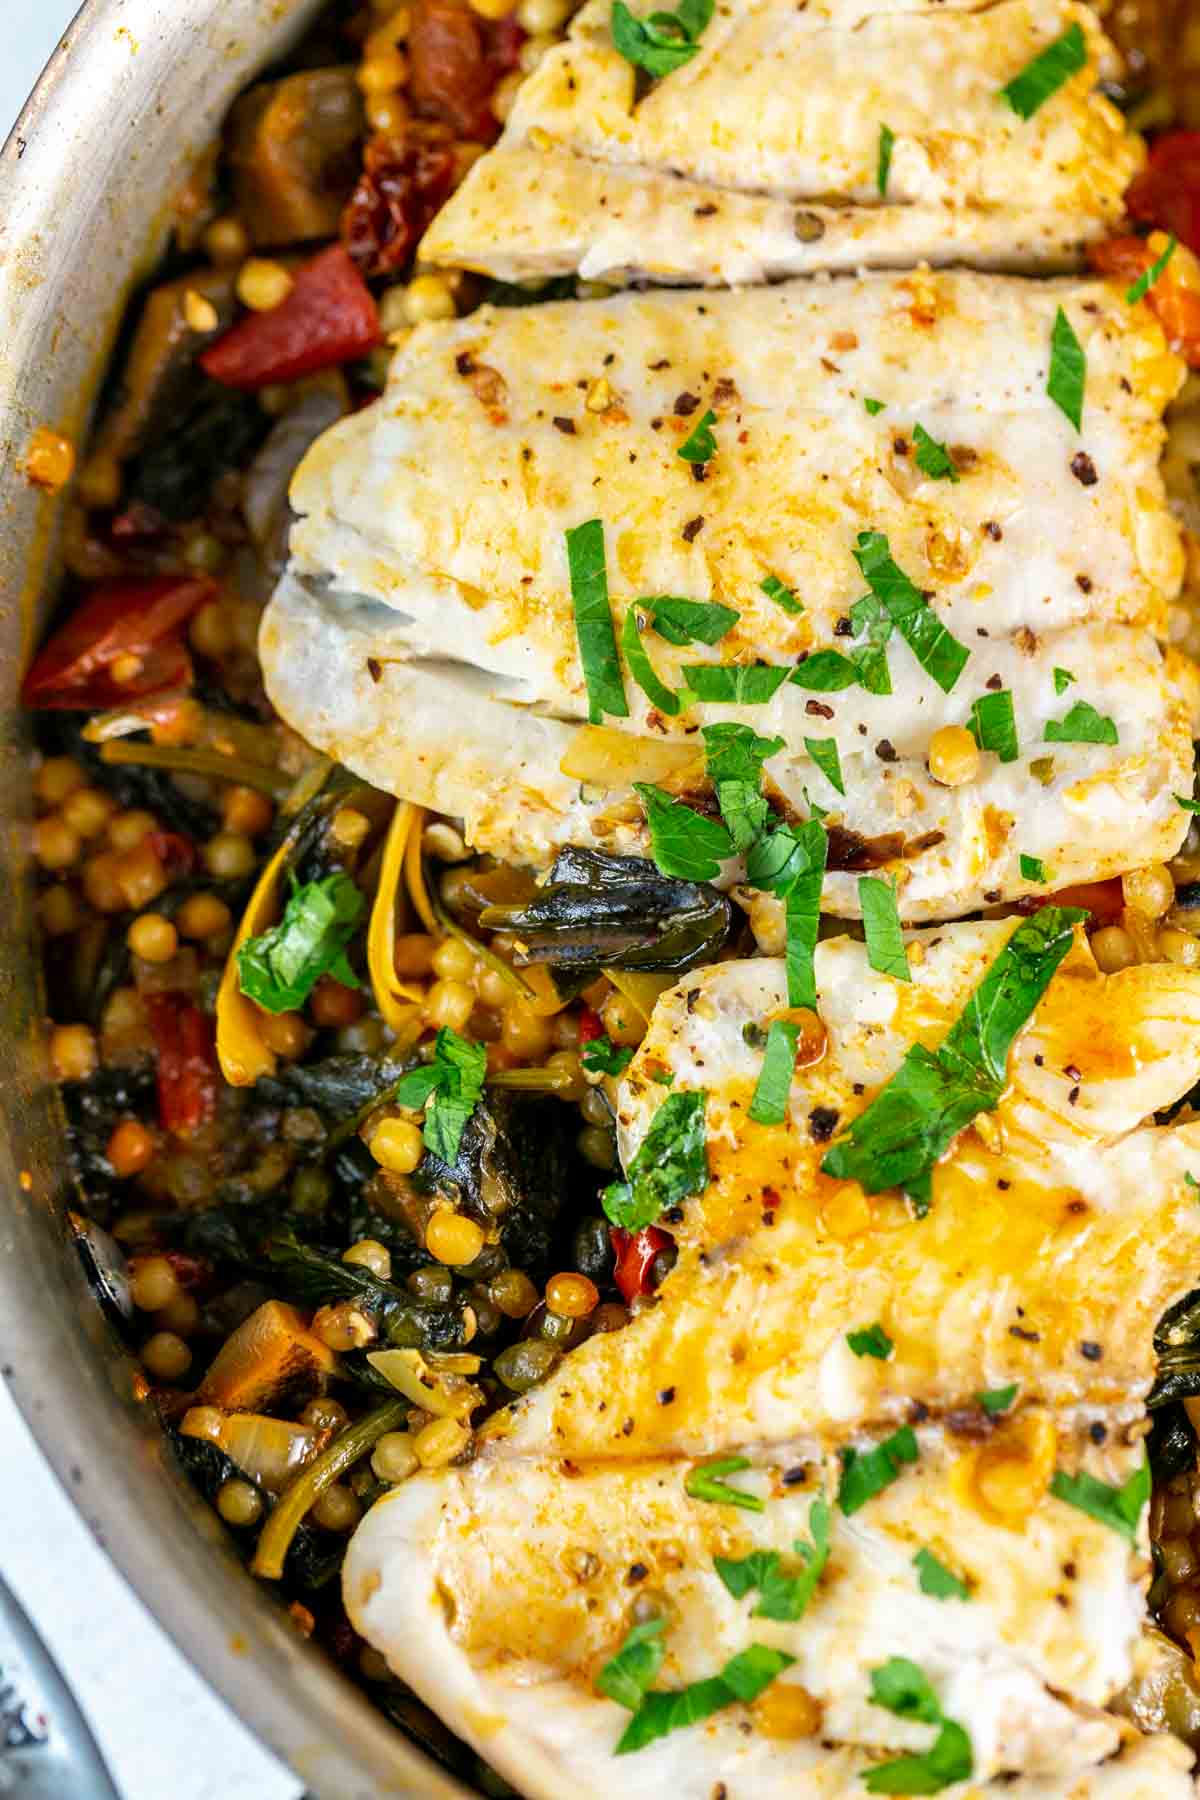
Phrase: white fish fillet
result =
(760, 157)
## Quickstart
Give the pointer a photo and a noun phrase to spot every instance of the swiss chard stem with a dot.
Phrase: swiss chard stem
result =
(291, 1510)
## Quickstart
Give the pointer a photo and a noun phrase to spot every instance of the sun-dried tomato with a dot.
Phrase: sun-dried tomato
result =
(1174, 298)
(1167, 192)
(398, 193)
(455, 61)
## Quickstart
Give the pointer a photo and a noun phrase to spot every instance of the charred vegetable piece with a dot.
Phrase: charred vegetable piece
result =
(1171, 296)
(1167, 192)
(515, 1169)
(1177, 1346)
(313, 1556)
(293, 148)
(398, 193)
(328, 317)
(186, 1062)
(317, 1279)
(159, 381)
(271, 1362)
(175, 472)
(598, 910)
(94, 1108)
(124, 641)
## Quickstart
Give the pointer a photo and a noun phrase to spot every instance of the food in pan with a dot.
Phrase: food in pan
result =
(621, 877)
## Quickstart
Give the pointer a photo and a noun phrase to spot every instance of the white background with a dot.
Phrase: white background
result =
(164, 1735)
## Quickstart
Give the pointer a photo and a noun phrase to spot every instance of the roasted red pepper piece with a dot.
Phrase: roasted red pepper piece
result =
(186, 1062)
(121, 625)
(635, 1252)
(398, 193)
(329, 317)
(1167, 192)
(591, 1025)
(1174, 298)
(1105, 900)
(455, 61)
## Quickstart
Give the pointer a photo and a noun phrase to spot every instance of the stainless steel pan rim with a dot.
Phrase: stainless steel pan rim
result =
(134, 90)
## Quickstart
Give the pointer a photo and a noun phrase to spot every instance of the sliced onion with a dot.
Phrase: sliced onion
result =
(607, 758)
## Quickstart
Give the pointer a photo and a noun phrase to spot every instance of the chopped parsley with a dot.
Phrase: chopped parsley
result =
(886, 953)
(993, 725)
(734, 759)
(774, 589)
(743, 1678)
(734, 684)
(866, 1473)
(1062, 680)
(1068, 370)
(1148, 277)
(704, 1482)
(689, 621)
(1190, 1179)
(628, 1675)
(663, 42)
(824, 752)
(874, 406)
(602, 1057)
(449, 1088)
(1082, 725)
(939, 653)
(935, 1579)
(869, 659)
(700, 445)
(593, 622)
(871, 1340)
(782, 1596)
(903, 1689)
(683, 842)
(825, 672)
(642, 669)
(933, 459)
(669, 1165)
(1032, 868)
(769, 1105)
(883, 164)
(935, 1094)
(1047, 72)
(997, 1400)
(1189, 806)
(802, 913)
(1119, 1508)
(279, 969)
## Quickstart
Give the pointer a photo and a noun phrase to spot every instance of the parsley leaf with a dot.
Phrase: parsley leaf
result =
(663, 42)
(904, 1689)
(824, 672)
(1189, 806)
(449, 1088)
(1047, 72)
(871, 1340)
(869, 659)
(993, 725)
(1082, 725)
(628, 1675)
(777, 860)
(602, 1057)
(743, 1678)
(279, 969)
(1120, 1508)
(769, 1104)
(700, 445)
(1032, 868)
(683, 842)
(782, 1596)
(886, 953)
(774, 589)
(935, 1094)
(1068, 370)
(742, 1574)
(689, 621)
(939, 653)
(593, 622)
(874, 406)
(734, 758)
(997, 1400)
(704, 1483)
(936, 1579)
(642, 669)
(866, 1473)
(734, 684)
(1148, 277)
(1062, 680)
(933, 458)
(802, 915)
(883, 165)
(824, 752)
(670, 1164)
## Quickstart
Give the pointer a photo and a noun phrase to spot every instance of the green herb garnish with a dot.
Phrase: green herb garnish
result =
(781, 1596)
(1119, 1508)
(824, 672)
(824, 752)
(705, 1482)
(874, 406)
(1032, 868)
(935, 1094)
(1189, 806)
(883, 163)
(1148, 277)
(670, 1164)
(593, 622)
(993, 725)
(663, 42)
(683, 842)
(869, 659)
(933, 458)
(1082, 725)
(743, 1679)
(939, 653)
(769, 1105)
(935, 1579)
(602, 1057)
(628, 1675)
(1068, 370)
(997, 1400)
(866, 1473)
(642, 669)
(735, 755)
(886, 953)
(903, 1689)
(871, 1340)
(689, 621)
(802, 914)
(774, 589)
(1047, 72)
(700, 445)
(1062, 680)
(449, 1088)
(279, 969)
(734, 684)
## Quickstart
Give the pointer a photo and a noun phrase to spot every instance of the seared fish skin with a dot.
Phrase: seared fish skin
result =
(429, 581)
(759, 158)
(1059, 1229)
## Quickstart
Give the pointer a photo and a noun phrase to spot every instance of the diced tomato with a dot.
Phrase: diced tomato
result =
(635, 1252)
(1167, 192)
(591, 1025)
(455, 61)
(398, 193)
(176, 853)
(93, 660)
(1175, 296)
(187, 1062)
(328, 317)
(1103, 899)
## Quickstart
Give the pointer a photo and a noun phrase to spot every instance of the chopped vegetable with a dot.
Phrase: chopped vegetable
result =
(886, 952)
(993, 726)
(293, 148)
(1045, 74)
(455, 58)
(783, 596)
(400, 1003)
(1082, 725)
(663, 42)
(347, 1449)
(635, 1253)
(242, 1049)
(401, 187)
(935, 1094)
(603, 756)
(781, 1596)
(1120, 1508)
(769, 1103)
(1166, 281)
(642, 669)
(670, 1165)
(280, 969)
(449, 1088)
(328, 317)
(1068, 370)
(272, 1362)
(824, 752)
(866, 1473)
(123, 642)
(186, 1064)
(936, 1580)
(903, 1689)
(593, 622)
(871, 1340)
(690, 621)
(939, 653)
(1167, 191)
(734, 684)
(683, 842)
(705, 1482)
(700, 445)
(933, 459)
(735, 755)
(743, 1678)
(883, 164)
